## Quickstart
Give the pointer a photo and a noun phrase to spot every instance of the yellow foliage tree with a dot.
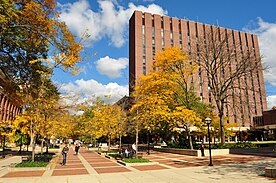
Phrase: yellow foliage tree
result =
(164, 97)
(104, 120)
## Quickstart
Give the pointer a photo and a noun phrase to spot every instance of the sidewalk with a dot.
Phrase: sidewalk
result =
(90, 167)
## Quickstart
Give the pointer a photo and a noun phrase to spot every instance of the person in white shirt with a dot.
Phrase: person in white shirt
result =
(134, 148)
(127, 153)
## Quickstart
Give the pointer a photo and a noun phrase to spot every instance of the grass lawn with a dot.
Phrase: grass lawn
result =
(32, 164)
(136, 160)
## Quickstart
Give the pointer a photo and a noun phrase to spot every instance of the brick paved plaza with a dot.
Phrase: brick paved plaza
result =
(89, 165)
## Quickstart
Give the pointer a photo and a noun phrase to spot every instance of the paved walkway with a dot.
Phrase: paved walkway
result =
(88, 166)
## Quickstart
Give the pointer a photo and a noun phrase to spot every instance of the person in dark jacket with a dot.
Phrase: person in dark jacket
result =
(77, 147)
(202, 148)
(64, 153)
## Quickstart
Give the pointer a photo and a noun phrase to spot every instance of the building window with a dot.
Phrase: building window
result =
(144, 65)
(257, 72)
(153, 42)
(171, 37)
(162, 36)
(245, 79)
(180, 40)
(239, 82)
(144, 49)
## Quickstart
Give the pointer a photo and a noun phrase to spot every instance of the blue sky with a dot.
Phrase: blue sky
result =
(107, 22)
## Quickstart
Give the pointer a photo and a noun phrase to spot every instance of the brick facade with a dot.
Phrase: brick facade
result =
(149, 33)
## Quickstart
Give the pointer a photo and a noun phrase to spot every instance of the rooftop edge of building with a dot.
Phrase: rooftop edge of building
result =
(137, 11)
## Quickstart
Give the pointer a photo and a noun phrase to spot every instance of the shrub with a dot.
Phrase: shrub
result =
(234, 145)
(54, 147)
(114, 155)
(43, 157)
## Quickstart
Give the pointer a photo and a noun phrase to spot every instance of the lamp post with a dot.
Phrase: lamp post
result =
(208, 122)
(5, 128)
(18, 131)
(148, 141)
(120, 143)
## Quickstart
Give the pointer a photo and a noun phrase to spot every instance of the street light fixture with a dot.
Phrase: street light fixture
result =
(208, 122)
(148, 141)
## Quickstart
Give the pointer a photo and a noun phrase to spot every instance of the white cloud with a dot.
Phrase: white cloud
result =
(271, 101)
(267, 41)
(111, 67)
(87, 89)
(110, 21)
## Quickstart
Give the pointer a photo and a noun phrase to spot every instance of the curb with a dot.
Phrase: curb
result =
(137, 164)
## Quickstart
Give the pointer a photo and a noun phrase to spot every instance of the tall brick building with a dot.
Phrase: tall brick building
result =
(9, 109)
(149, 33)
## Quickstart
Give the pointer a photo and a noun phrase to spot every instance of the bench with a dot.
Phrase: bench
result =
(270, 172)
(25, 158)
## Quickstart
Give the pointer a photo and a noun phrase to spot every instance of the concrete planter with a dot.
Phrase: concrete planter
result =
(178, 151)
(110, 157)
(215, 152)
(191, 152)
(48, 167)
(28, 168)
(137, 164)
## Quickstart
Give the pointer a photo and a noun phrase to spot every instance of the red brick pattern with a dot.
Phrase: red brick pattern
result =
(149, 167)
(34, 173)
(73, 166)
(111, 170)
(70, 166)
(69, 172)
(103, 165)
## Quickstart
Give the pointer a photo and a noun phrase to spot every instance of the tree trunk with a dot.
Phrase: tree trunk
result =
(42, 141)
(137, 134)
(222, 132)
(136, 141)
(33, 146)
(47, 146)
(109, 137)
(189, 137)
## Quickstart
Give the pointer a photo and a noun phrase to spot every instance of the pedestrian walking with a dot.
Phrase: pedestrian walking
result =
(202, 148)
(77, 147)
(64, 153)
(134, 148)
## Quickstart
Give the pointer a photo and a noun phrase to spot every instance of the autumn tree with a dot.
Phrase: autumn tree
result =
(103, 120)
(165, 97)
(33, 40)
(176, 66)
(215, 128)
(34, 120)
(227, 65)
(108, 121)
